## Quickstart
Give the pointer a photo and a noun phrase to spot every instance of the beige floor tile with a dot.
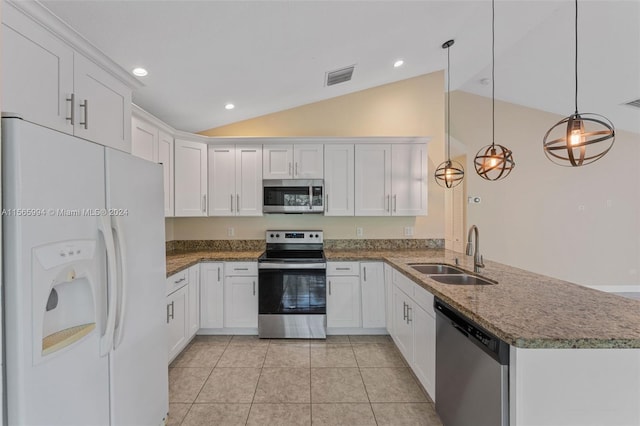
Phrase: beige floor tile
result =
(391, 385)
(217, 414)
(280, 414)
(342, 414)
(199, 355)
(337, 385)
(177, 411)
(382, 339)
(333, 356)
(284, 385)
(377, 355)
(212, 339)
(230, 385)
(185, 383)
(288, 355)
(243, 356)
(398, 414)
(248, 340)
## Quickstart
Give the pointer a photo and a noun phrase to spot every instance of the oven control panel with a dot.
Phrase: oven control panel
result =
(294, 237)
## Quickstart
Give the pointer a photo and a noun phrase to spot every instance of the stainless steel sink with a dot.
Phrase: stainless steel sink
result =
(435, 268)
(461, 279)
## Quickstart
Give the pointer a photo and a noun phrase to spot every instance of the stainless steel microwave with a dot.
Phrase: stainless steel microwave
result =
(293, 196)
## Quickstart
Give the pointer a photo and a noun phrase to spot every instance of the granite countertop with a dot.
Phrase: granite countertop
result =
(524, 309)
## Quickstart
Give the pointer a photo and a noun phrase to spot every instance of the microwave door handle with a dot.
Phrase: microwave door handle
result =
(310, 197)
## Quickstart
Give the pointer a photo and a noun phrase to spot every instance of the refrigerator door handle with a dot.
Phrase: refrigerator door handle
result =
(122, 284)
(106, 340)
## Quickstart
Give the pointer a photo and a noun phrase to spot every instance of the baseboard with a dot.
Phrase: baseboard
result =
(331, 331)
(340, 331)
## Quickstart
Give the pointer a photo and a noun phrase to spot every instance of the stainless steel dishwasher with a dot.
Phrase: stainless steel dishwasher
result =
(472, 372)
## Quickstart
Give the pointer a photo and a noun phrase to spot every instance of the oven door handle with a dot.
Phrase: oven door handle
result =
(270, 265)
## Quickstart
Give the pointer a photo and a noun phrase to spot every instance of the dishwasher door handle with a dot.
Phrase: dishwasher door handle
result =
(460, 329)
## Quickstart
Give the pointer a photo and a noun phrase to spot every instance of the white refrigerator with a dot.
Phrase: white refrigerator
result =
(84, 282)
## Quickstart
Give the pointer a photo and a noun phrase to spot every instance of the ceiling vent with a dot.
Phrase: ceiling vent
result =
(635, 103)
(339, 76)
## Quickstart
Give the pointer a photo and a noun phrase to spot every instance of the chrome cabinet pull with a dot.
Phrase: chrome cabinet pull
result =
(296, 168)
(289, 168)
(409, 309)
(310, 196)
(218, 273)
(240, 269)
(254, 288)
(237, 203)
(329, 287)
(343, 269)
(395, 203)
(326, 202)
(365, 272)
(168, 313)
(179, 281)
(85, 105)
(231, 195)
(204, 203)
(72, 100)
(404, 311)
(388, 206)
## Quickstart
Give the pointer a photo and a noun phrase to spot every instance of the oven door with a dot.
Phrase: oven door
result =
(292, 300)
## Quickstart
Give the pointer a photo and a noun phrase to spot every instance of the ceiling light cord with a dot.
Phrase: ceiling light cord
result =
(493, 73)
(576, 58)
(448, 106)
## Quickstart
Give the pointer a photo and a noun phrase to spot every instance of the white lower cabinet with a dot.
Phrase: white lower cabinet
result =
(424, 348)
(388, 299)
(211, 295)
(241, 295)
(402, 327)
(177, 321)
(193, 319)
(373, 294)
(343, 295)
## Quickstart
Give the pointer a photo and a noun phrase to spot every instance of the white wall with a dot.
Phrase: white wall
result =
(578, 224)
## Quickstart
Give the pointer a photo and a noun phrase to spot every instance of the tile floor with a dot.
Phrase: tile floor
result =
(345, 380)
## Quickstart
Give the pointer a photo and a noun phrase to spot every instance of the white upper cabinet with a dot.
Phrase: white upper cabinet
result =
(165, 157)
(391, 180)
(144, 140)
(44, 80)
(37, 72)
(300, 161)
(409, 180)
(338, 179)
(372, 180)
(235, 180)
(190, 164)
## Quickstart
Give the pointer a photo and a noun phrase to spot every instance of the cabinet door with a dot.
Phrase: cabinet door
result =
(424, 349)
(343, 301)
(403, 329)
(190, 159)
(308, 161)
(193, 308)
(388, 290)
(277, 162)
(102, 106)
(211, 295)
(37, 72)
(177, 321)
(372, 180)
(249, 180)
(373, 295)
(338, 180)
(241, 301)
(144, 140)
(222, 181)
(165, 157)
(409, 183)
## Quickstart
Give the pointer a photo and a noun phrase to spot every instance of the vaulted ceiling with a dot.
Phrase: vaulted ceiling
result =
(266, 56)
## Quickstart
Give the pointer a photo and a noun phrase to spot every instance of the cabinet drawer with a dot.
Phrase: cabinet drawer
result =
(343, 268)
(233, 269)
(424, 299)
(177, 281)
(403, 283)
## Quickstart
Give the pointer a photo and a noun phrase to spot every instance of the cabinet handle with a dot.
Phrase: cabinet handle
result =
(387, 208)
(85, 105)
(343, 269)
(168, 313)
(296, 168)
(179, 281)
(327, 202)
(289, 168)
(72, 100)
(395, 204)
(409, 309)
(404, 315)
(364, 269)
(204, 203)
(329, 287)
(240, 269)
(254, 288)
(231, 195)
(237, 203)
(218, 273)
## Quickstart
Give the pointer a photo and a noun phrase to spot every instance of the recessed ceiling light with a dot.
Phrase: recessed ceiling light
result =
(398, 63)
(140, 72)
(229, 106)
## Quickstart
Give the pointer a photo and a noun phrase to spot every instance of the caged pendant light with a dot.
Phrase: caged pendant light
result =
(449, 173)
(494, 162)
(566, 143)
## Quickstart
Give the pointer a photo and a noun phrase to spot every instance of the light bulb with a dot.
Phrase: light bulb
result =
(493, 161)
(576, 137)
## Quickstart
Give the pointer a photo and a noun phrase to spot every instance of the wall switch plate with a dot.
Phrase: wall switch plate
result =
(408, 231)
(230, 231)
(358, 231)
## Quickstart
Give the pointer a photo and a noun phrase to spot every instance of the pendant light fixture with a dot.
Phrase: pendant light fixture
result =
(566, 143)
(494, 162)
(449, 173)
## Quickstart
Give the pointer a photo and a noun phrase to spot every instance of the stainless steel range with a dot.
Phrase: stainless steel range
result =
(292, 277)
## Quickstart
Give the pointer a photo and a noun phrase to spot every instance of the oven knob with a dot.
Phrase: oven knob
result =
(277, 235)
(271, 235)
(317, 236)
(310, 235)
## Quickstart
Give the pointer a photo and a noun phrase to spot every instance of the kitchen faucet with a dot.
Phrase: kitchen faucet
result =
(478, 261)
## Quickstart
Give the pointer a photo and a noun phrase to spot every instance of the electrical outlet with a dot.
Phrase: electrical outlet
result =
(230, 231)
(408, 231)
(474, 200)
(358, 231)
